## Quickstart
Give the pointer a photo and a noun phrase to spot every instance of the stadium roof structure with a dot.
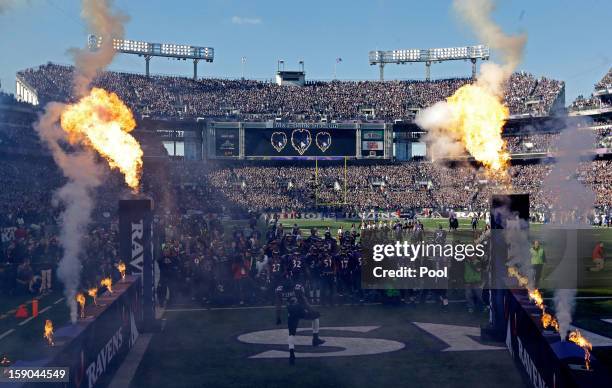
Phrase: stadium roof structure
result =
(149, 50)
(429, 56)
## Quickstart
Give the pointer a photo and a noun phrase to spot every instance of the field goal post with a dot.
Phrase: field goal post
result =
(345, 186)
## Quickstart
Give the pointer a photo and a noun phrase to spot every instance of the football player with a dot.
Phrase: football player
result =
(292, 295)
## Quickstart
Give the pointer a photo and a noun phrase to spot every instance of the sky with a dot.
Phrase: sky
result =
(567, 40)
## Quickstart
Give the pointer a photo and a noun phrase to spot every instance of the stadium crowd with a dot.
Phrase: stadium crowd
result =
(599, 100)
(390, 186)
(204, 256)
(180, 97)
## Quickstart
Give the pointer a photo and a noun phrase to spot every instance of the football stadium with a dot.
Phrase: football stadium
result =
(202, 229)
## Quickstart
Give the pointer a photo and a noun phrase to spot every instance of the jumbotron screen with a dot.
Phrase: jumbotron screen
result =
(299, 142)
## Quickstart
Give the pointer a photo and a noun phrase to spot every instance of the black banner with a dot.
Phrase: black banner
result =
(136, 248)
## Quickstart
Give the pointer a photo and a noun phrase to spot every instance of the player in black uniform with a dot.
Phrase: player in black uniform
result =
(343, 273)
(327, 274)
(293, 296)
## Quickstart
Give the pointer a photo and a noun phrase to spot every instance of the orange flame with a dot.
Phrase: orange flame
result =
(80, 298)
(576, 337)
(108, 283)
(49, 332)
(549, 321)
(537, 298)
(121, 268)
(93, 292)
(523, 281)
(478, 120)
(102, 121)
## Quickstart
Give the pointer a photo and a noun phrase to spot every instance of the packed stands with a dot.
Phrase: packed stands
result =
(179, 97)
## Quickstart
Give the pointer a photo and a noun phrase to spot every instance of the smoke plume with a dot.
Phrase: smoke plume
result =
(446, 133)
(83, 173)
(571, 202)
(5, 5)
(77, 162)
(477, 14)
(106, 24)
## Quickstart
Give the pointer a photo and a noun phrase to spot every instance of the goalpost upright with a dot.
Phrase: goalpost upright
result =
(345, 187)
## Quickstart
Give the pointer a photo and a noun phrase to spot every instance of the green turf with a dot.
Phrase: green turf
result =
(200, 348)
(27, 341)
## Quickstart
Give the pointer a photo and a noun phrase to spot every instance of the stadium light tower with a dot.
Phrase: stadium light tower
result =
(149, 50)
(429, 56)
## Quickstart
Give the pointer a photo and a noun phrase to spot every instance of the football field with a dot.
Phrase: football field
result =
(367, 346)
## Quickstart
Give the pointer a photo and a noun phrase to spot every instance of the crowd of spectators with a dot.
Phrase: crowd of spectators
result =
(601, 99)
(390, 186)
(180, 97)
(605, 82)
(203, 257)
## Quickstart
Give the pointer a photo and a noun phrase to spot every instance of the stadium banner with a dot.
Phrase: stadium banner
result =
(305, 142)
(136, 248)
(94, 347)
(363, 216)
(7, 234)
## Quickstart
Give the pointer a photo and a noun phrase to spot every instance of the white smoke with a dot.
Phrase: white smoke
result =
(571, 201)
(107, 24)
(79, 165)
(492, 77)
(83, 175)
(564, 308)
(5, 5)
(516, 235)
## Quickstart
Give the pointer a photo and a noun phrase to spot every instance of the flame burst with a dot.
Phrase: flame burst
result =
(93, 292)
(108, 283)
(102, 121)
(576, 337)
(80, 298)
(549, 321)
(523, 281)
(536, 296)
(121, 269)
(49, 332)
(478, 120)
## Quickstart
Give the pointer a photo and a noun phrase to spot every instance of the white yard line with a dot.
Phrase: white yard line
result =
(59, 300)
(586, 297)
(32, 317)
(45, 309)
(6, 333)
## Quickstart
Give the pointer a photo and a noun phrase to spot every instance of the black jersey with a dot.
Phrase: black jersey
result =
(290, 294)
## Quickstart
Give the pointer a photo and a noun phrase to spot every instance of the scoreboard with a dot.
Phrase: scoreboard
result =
(299, 142)
(227, 142)
(286, 140)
